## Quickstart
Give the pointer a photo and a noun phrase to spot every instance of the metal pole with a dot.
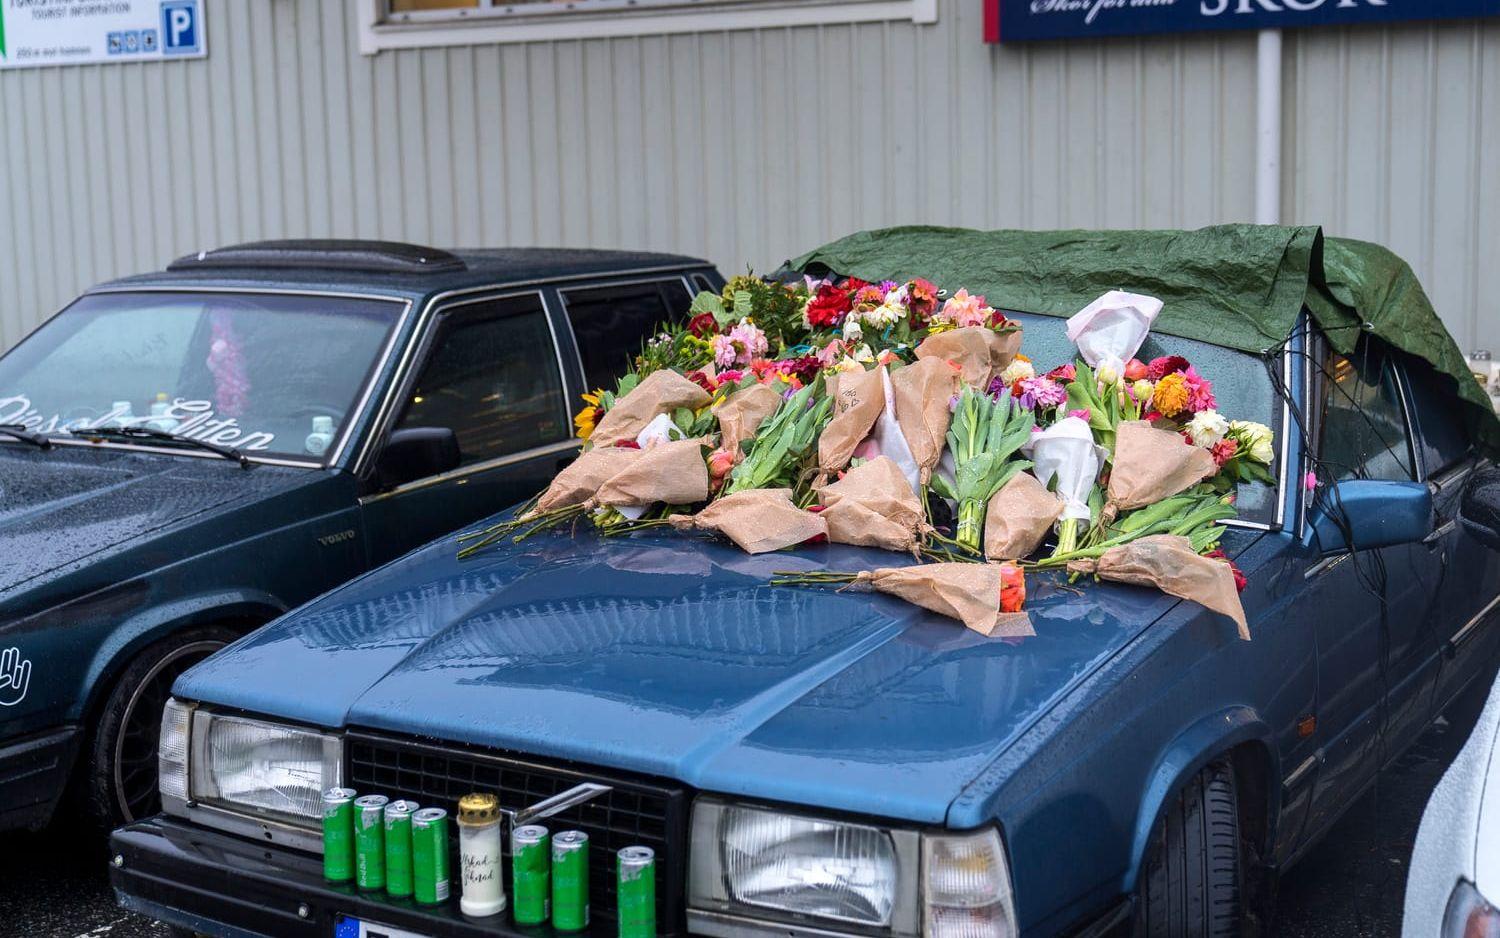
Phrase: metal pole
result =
(1268, 128)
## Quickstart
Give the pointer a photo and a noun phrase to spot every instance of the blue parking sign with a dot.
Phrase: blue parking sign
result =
(181, 23)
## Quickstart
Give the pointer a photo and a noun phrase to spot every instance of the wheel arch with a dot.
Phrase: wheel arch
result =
(241, 610)
(1236, 733)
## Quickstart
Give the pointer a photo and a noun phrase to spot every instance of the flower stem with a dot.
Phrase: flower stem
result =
(970, 524)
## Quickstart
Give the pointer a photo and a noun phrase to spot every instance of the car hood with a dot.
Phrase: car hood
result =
(671, 655)
(67, 505)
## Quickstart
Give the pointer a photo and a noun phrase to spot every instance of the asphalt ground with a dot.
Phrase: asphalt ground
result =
(54, 885)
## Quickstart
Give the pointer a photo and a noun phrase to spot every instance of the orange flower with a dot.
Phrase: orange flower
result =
(1171, 395)
(1012, 587)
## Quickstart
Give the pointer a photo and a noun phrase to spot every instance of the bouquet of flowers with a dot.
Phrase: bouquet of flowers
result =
(984, 438)
(849, 393)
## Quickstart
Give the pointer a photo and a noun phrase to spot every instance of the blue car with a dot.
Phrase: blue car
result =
(816, 763)
(186, 455)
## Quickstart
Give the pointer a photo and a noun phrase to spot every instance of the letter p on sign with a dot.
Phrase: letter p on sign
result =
(181, 28)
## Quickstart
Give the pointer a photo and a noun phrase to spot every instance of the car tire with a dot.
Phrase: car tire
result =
(119, 783)
(1191, 884)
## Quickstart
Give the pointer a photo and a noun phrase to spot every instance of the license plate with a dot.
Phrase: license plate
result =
(348, 926)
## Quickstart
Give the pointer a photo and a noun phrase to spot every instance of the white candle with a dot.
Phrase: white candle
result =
(479, 855)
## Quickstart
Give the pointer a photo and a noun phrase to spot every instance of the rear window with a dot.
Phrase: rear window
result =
(612, 322)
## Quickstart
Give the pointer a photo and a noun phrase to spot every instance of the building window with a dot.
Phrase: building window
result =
(405, 24)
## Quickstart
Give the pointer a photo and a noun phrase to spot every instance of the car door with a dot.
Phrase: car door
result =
(490, 370)
(1369, 608)
(1467, 604)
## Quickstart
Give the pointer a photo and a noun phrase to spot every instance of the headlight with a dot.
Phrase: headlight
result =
(1469, 916)
(259, 768)
(758, 864)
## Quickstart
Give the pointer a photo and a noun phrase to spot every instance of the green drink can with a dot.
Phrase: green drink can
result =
(398, 848)
(338, 834)
(429, 856)
(531, 874)
(369, 841)
(570, 881)
(635, 887)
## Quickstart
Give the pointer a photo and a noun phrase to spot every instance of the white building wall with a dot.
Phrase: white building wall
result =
(746, 146)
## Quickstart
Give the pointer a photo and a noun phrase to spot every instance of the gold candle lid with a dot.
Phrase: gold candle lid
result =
(478, 809)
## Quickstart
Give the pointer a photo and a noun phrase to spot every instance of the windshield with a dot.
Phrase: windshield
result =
(1241, 385)
(268, 374)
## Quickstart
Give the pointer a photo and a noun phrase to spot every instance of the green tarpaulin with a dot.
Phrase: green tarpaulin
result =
(1239, 286)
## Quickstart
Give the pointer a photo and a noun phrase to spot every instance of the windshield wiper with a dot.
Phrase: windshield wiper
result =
(163, 436)
(18, 431)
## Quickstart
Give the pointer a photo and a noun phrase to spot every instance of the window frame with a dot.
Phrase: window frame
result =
(424, 346)
(433, 28)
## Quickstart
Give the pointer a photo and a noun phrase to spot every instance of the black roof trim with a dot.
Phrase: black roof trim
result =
(392, 257)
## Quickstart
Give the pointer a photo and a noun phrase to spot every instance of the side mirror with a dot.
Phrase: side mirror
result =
(1373, 514)
(414, 453)
(1479, 510)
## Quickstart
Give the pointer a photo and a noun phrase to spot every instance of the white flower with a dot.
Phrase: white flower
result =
(1255, 438)
(852, 331)
(1018, 370)
(1108, 372)
(887, 314)
(896, 297)
(1207, 428)
(864, 354)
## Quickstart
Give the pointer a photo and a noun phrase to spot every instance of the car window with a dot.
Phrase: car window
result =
(277, 374)
(612, 321)
(492, 376)
(1439, 414)
(1362, 426)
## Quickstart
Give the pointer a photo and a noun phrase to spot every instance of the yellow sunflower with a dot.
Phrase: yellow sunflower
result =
(585, 420)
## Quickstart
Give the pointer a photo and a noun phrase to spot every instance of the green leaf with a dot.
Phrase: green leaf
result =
(706, 302)
(944, 488)
(683, 418)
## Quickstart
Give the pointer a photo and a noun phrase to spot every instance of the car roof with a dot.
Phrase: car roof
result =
(388, 268)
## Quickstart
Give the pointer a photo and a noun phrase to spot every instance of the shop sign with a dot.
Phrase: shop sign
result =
(1019, 20)
(38, 33)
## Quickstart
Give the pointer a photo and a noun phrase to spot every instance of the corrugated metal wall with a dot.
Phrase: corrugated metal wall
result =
(746, 146)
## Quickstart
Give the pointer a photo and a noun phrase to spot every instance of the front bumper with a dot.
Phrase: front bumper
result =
(224, 885)
(34, 771)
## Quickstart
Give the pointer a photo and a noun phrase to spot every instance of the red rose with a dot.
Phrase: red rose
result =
(852, 285)
(1166, 365)
(1063, 373)
(828, 308)
(703, 325)
(701, 378)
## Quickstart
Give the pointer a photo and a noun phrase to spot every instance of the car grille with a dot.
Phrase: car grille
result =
(636, 811)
